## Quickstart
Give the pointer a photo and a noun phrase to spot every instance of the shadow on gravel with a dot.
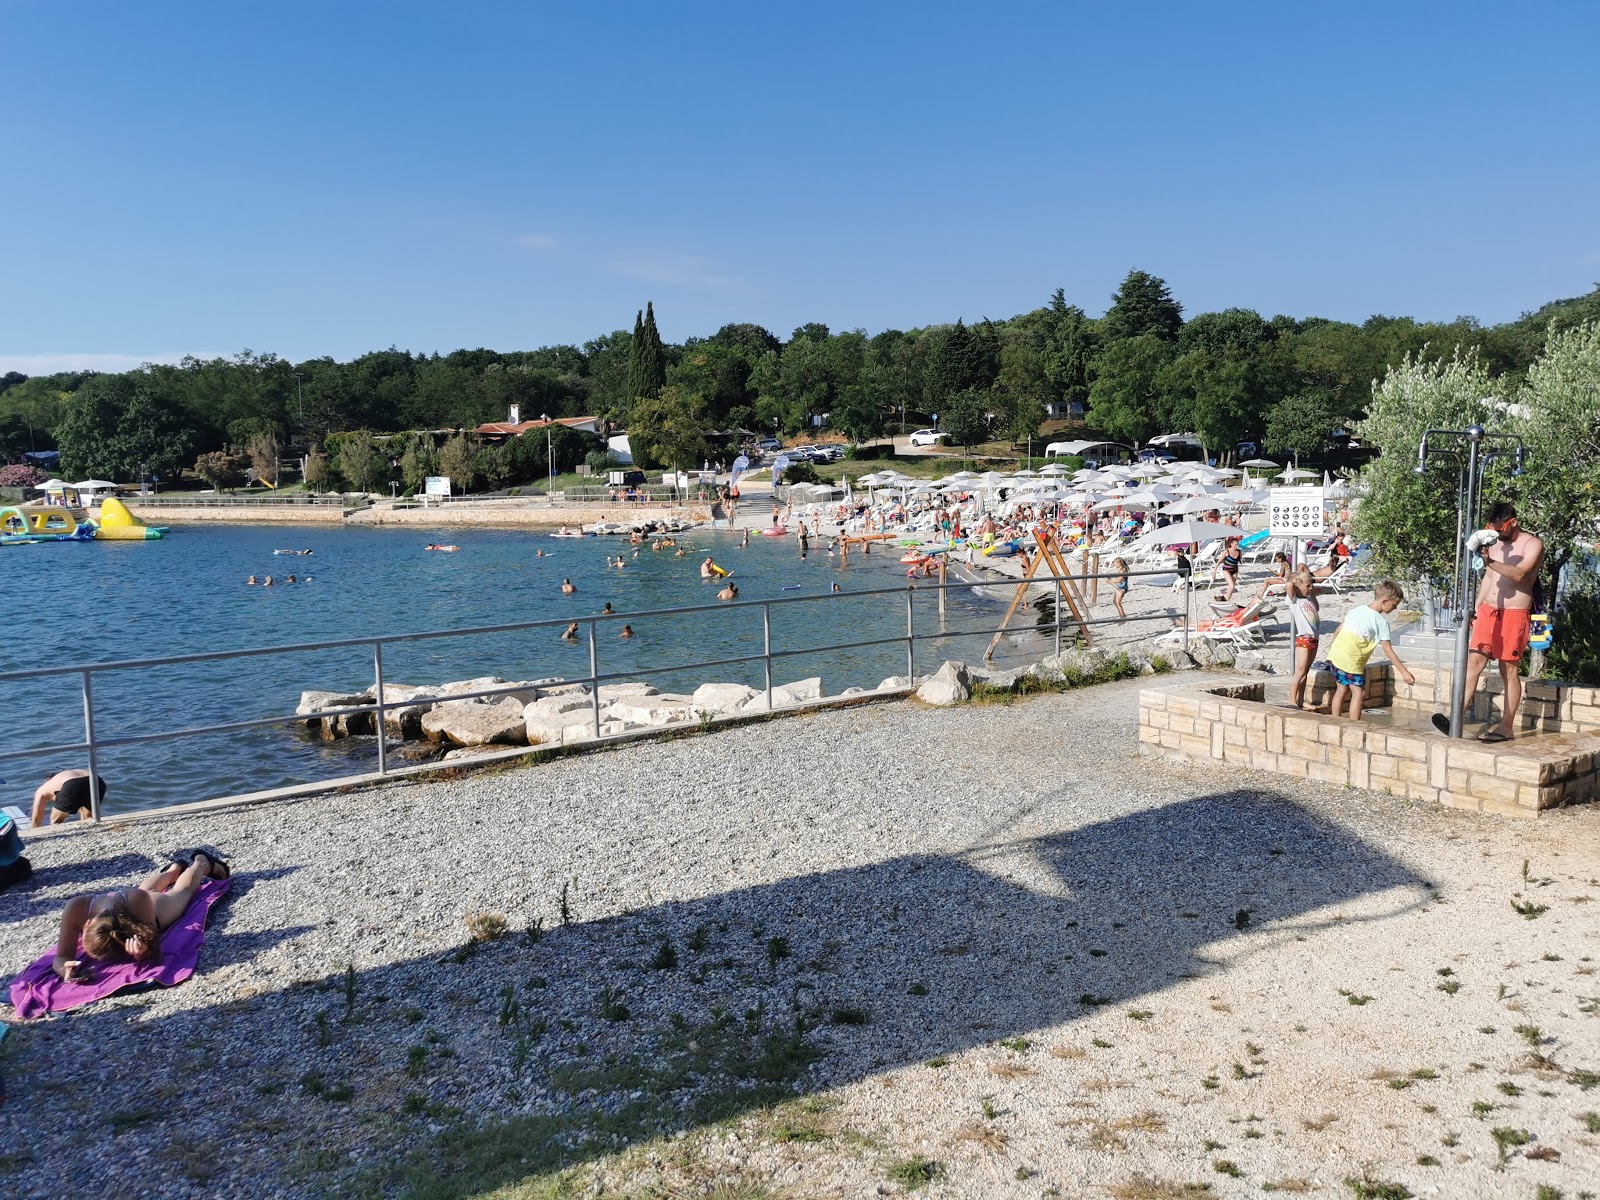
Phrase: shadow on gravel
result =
(611, 1032)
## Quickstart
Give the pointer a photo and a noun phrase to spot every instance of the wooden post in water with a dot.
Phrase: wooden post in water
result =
(1094, 583)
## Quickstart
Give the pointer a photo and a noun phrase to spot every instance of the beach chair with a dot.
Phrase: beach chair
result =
(1243, 626)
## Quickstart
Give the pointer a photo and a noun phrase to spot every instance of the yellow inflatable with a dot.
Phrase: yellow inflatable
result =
(117, 524)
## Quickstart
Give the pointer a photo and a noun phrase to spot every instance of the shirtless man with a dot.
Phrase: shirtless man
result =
(66, 794)
(1500, 628)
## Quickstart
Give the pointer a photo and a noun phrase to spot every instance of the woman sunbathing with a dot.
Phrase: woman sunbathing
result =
(131, 920)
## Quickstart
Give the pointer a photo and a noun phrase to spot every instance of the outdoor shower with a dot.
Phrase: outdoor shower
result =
(1473, 450)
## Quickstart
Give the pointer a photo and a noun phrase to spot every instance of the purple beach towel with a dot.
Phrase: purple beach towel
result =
(39, 990)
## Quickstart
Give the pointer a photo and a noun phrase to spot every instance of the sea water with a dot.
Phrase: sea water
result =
(186, 594)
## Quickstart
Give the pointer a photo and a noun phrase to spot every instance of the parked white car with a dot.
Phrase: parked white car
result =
(925, 437)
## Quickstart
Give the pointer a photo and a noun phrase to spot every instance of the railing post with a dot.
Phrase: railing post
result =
(1058, 620)
(377, 674)
(594, 676)
(766, 646)
(911, 640)
(88, 737)
(1188, 602)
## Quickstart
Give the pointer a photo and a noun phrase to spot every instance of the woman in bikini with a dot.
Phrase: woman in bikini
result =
(1303, 620)
(1119, 586)
(130, 921)
(1228, 563)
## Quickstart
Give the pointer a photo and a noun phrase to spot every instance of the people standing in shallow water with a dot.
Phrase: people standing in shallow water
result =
(607, 610)
(627, 631)
(567, 587)
(731, 592)
(571, 633)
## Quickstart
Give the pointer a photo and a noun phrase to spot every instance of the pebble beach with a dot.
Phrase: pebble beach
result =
(974, 951)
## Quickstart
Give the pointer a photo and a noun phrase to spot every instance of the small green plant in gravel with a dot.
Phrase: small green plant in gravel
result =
(351, 987)
(1090, 1000)
(564, 901)
(777, 950)
(1377, 1189)
(1424, 1073)
(939, 1062)
(1020, 1045)
(917, 989)
(1226, 1166)
(913, 1172)
(1427, 1160)
(611, 1006)
(1241, 919)
(1140, 1014)
(1354, 998)
(1100, 1043)
(1482, 1108)
(1507, 1139)
(990, 1112)
(1546, 1192)
(1591, 1121)
(324, 1034)
(486, 926)
(1529, 910)
(416, 1060)
(131, 1118)
(698, 940)
(1449, 987)
(1531, 1034)
(666, 956)
(1508, 1089)
(1211, 1083)
(849, 1016)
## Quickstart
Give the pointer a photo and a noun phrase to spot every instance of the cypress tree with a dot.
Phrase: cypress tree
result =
(652, 356)
(635, 348)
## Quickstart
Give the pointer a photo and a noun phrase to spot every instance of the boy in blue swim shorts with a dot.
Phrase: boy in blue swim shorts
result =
(1363, 631)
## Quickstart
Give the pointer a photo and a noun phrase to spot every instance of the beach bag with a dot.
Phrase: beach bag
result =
(14, 868)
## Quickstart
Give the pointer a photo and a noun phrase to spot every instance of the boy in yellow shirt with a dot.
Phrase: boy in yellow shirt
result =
(1364, 630)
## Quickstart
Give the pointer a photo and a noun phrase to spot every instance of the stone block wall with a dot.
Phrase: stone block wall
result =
(1230, 724)
(1548, 706)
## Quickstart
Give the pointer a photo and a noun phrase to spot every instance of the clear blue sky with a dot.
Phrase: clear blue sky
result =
(329, 178)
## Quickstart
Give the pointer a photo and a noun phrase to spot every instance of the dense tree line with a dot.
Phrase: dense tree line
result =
(1139, 370)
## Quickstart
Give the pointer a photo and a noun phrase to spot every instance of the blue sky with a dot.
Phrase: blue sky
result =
(331, 178)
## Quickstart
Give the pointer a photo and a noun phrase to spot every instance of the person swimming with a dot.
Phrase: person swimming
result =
(251, 582)
(289, 579)
(731, 592)
(607, 610)
(267, 582)
(627, 631)
(567, 587)
(571, 633)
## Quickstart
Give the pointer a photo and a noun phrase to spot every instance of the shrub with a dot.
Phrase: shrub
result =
(21, 475)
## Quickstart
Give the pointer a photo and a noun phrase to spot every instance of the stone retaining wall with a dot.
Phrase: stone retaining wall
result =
(1522, 778)
(1548, 706)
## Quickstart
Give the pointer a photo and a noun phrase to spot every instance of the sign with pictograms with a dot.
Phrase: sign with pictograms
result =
(1296, 512)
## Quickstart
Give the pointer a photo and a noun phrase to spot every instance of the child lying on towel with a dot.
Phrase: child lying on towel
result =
(138, 937)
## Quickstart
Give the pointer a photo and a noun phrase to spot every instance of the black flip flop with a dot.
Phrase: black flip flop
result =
(1441, 723)
(185, 858)
(1493, 737)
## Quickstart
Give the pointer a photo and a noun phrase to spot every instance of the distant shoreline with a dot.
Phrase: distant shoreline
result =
(486, 514)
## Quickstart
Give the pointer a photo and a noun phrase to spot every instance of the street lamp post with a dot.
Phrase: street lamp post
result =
(1473, 450)
(550, 453)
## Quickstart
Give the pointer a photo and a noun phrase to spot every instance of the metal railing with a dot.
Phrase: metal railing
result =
(214, 500)
(93, 745)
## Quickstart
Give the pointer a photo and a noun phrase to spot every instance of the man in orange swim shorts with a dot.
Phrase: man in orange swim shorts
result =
(1500, 625)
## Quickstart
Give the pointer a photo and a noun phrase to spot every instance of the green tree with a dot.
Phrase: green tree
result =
(360, 462)
(958, 362)
(1301, 423)
(1128, 399)
(647, 364)
(1559, 405)
(114, 426)
(221, 469)
(458, 459)
(1142, 307)
(1410, 518)
(965, 418)
(671, 429)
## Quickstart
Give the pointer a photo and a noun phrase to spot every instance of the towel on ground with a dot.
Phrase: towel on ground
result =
(39, 989)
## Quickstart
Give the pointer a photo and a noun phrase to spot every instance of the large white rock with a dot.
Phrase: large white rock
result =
(894, 683)
(406, 721)
(546, 717)
(626, 691)
(647, 710)
(799, 692)
(525, 691)
(719, 698)
(469, 723)
(554, 706)
(329, 728)
(950, 684)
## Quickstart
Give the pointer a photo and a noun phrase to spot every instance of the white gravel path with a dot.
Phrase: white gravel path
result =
(1180, 953)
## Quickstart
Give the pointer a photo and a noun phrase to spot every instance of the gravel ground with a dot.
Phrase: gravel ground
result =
(988, 945)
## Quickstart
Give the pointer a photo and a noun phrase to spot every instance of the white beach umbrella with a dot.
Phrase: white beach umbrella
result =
(1259, 463)
(1181, 533)
(1294, 473)
(1053, 469)
(1193, 504)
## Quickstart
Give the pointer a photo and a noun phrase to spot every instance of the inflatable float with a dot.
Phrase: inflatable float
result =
(442, 549)
(780, 531)
(117, 524)
(712, 571)
(21, 524)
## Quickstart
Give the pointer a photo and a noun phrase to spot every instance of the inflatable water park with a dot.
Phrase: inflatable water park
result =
(24, 524)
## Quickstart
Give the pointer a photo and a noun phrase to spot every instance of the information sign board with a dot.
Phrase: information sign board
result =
(1296, 512)
(436, 485)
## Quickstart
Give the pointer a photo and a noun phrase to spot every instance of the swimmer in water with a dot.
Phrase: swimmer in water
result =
(567, 588)
(627, 631)
(835, 585)
(267, 582)
(745, 541)
(607, 610)
(251, 582)
(731, 592)
(290, 579)
(571, 634)
(538, 553)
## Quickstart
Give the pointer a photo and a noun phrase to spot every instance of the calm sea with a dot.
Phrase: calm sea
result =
(103, 602)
